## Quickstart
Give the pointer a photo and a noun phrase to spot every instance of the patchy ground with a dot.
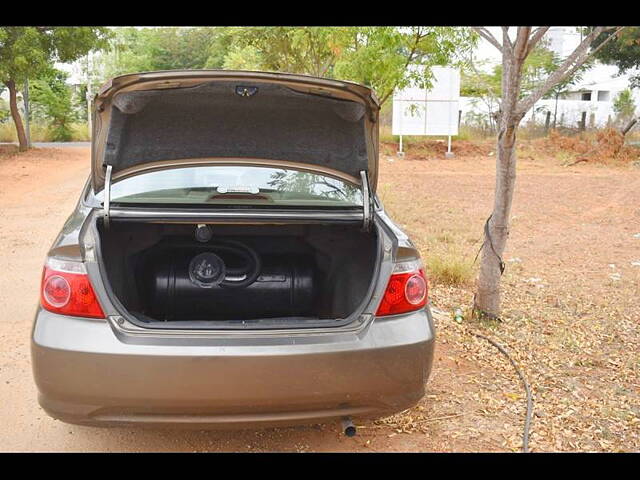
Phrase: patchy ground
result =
(571, 310)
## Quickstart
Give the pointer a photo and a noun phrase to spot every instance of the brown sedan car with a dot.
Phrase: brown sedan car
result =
(229, 262)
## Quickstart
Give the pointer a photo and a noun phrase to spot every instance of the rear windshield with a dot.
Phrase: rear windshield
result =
(235, 185)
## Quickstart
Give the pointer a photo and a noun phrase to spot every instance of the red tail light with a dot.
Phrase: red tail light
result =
(66, 289)
(406, 291)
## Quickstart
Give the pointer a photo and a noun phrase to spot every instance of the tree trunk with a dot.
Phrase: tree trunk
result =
(487, 299)
(512, 110)
(15, 114)
(629, 126)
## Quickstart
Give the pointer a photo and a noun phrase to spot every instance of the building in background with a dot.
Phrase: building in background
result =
(587, 104)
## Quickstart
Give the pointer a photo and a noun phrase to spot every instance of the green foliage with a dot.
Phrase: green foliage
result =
(378, 57)
(26, 52)
(540, 63)
(80, 103)
(624, 51)
(4, 111)
(478, 83)
(310, 50)
(51, 100)
(41, 132)
(243, 58)
(624, 106)
(164, 48)
(219, 45)
(4, 107)
(375, 56)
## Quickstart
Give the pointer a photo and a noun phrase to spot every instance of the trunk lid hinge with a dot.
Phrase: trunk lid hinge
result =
(107, 195)
(367, 202)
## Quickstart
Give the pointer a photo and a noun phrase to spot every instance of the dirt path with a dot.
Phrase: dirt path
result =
(472, 401)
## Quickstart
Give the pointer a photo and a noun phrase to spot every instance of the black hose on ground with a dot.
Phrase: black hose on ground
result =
(527, 420)
(527, 389)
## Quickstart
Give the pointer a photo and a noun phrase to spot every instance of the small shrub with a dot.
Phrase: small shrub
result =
(7, 132)
(385, 134)
(449, 269)
(79, 132)
(473, 133)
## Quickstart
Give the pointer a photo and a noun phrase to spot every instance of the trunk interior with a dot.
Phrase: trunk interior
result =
(281, 275)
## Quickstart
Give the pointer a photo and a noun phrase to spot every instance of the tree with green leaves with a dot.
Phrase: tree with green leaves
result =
(26, 52)
(242, 58)
(382, 57)
(134, 49)
(623, 51)
(624, 106)
(51, 99)
(379, 57)
(310, 50)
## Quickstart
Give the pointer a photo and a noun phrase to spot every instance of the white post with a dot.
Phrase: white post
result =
(449, 154)
(400, 152)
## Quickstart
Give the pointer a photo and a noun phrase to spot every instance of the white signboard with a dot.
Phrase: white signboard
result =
(417, 111)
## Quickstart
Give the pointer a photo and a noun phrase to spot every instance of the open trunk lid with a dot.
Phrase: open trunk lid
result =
(169, 119)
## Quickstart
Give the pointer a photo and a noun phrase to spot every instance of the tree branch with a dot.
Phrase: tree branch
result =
(567, 68)
(506, 41)
(486, 34)
(418, 36)
(521, 48)
(536, 36)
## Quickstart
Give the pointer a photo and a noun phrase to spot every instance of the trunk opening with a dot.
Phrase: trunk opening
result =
(244, 276)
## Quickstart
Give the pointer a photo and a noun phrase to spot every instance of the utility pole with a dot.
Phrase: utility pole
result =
(25, 100)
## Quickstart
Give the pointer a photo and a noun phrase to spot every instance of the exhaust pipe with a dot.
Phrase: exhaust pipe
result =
(348, 427)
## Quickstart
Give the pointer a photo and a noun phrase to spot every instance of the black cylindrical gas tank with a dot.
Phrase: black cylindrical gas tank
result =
(285, 287)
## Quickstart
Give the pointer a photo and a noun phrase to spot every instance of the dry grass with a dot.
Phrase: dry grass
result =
(42, 133)
(449, 269)
(605, 146)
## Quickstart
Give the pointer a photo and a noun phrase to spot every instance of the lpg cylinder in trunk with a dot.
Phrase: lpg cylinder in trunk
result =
(285, 287)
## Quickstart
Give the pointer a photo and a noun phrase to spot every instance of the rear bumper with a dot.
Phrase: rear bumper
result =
(87, 375)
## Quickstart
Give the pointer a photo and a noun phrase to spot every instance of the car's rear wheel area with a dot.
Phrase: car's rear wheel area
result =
(228, 276)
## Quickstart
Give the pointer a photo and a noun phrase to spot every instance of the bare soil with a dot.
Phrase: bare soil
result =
(570, 299)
